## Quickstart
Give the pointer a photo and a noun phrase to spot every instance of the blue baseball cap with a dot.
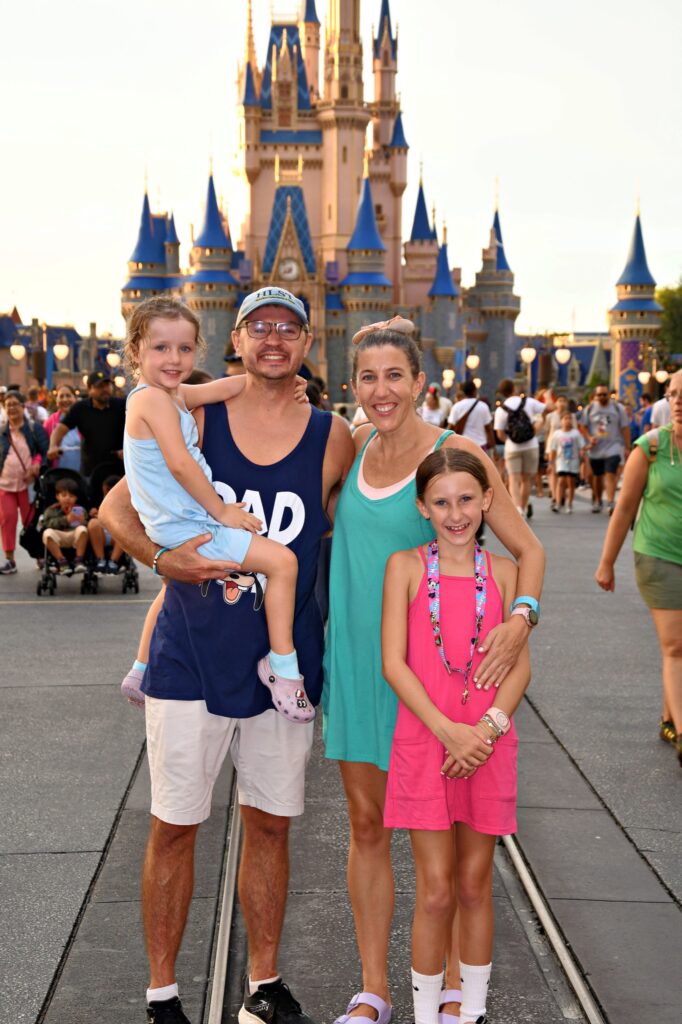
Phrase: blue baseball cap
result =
(271, 297)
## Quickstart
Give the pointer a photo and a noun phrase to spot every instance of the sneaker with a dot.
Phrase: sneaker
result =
(271, 1004)
(62, 567)
(553, 506)
(529, 511)
(568, 510)
(596, 506)
(169, 1011)
(666, 730)
(130, 688)
(288, 695)
(78, 567)
(101, 566)
(113, 567)
(8, 568)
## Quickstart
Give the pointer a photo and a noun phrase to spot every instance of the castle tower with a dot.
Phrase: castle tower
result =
(172, 248)
(309, 30)
(365, 291)
(443, 319)
(343, 118)
(494, 309)
(421, 255)
(210, 289)
(634, 321)
(147, 265)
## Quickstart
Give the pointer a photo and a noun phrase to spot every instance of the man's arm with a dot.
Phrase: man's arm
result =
(56, 437)
(184, 564)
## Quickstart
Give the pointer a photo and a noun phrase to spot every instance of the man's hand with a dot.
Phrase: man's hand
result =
(185, 565)
(54, 452)
(502, 645)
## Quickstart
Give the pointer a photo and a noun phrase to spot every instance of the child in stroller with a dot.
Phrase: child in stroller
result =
(64, 528)
(100, 539)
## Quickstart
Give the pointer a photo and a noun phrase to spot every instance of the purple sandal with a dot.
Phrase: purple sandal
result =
(288, 695)
(449, 995)
(384, 1011)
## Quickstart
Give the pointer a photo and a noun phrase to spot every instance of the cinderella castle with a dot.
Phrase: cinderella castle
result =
(326, 168)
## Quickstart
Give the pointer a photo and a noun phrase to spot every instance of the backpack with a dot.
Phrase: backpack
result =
(519, 426)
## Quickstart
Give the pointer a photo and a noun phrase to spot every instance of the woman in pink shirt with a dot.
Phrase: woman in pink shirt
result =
(23, 447)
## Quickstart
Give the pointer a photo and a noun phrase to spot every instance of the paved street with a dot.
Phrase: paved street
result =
(600, 815)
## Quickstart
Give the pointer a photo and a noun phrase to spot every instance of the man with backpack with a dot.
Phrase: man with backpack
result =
(514, 427)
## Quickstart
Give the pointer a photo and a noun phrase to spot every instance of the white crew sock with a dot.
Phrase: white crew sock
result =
(426, 989)
(160, 995)
(255, 985)
(475, 981)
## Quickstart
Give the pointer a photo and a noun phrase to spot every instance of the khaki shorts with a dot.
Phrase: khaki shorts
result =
(525, 461)
(659, 582)
(186, 747)
(65, 538)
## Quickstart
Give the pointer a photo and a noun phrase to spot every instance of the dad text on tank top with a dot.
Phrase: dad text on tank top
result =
(209, 638)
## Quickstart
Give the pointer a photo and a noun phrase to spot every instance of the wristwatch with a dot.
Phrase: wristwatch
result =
(500, 719)
(528, 607)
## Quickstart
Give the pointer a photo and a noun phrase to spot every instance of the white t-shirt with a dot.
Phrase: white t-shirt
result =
(531, 407)
(660, 413)
(568, 445)
(479, 417)
(434, 416)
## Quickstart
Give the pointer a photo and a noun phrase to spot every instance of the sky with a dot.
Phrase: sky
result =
(575, 107)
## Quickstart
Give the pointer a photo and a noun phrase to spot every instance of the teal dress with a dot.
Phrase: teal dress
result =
(359, 706)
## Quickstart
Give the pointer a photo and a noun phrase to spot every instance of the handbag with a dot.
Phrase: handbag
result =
(462, 421)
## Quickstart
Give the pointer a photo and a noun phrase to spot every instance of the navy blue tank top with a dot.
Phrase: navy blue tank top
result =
(209, 638)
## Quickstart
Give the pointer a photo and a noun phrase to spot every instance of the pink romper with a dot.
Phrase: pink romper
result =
(417, 795)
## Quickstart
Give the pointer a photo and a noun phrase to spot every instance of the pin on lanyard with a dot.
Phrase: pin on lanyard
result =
(433, 592)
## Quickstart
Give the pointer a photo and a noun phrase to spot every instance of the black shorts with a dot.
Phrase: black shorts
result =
(608, 465)
(564, 472)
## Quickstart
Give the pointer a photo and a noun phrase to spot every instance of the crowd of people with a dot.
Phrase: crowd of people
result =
(418, 679)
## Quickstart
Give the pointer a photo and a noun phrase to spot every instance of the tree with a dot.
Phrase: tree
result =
(669, 341)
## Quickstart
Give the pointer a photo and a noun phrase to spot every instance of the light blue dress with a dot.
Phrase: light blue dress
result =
(169, 514)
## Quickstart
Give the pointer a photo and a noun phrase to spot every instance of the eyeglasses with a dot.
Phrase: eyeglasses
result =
(261, 329)
(602, 394)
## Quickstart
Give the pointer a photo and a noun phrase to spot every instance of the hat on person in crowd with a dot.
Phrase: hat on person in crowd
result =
(434, 387)
(98, 377)
(271, 297)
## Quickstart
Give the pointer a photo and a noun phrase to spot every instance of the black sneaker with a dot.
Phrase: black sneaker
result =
(272, 1003)
(529, 511)
(168, 1011)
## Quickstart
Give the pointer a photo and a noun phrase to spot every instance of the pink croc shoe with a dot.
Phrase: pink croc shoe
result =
(288, 695)
(130, 688)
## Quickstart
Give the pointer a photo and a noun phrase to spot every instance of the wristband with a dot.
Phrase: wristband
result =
(499, 718)
(157, 556)
(530, 601)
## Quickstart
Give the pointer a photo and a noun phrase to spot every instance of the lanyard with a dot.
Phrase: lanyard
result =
(433, 592)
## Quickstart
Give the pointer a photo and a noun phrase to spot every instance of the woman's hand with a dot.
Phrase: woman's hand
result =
(186, 565)
(502, 648)
(467, 748)
(606, 576)
(32, 473)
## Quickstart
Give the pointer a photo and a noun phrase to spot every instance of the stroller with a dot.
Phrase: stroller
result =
(127, 568)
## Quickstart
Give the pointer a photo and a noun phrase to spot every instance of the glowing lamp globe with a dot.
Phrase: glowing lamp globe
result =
(477, 382)
(113, 359)
(528, 354)
(17, 351)
(661, 376)
(643, 376)
(119, 380)
(473, 361)
(61, 350)
(563, 355)
(448, 378)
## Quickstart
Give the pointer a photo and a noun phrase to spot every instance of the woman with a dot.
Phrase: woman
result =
(430, 410)
(23, 447)
(71, 443)
(653, 475)
(377, 515)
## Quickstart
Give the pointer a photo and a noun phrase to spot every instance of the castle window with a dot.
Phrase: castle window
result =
(208, 252)
(344, 154)
(378, 210)
(139, 266)
(209, 287)
(344, 92)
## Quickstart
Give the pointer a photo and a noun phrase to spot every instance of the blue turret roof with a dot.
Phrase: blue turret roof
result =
(636, 269)
(421, 229)
(398, 140)
(385, 15)
(212, 234)
(502, 263)
(443, 286)
(366, 234)
(171, 233)
(300, 219)
(310, 16)
(148, 248)
(293, 39)
(250, 97)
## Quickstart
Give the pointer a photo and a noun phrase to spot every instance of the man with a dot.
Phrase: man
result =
(604, 424)
(521, 457)
(644, 413)
(285, 461)
(479, 419)
(100, 420)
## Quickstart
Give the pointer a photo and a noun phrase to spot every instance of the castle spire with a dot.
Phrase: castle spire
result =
(385, 28)
(421, 229)
(501, 260)
(212, 234)
(637, 269)
(366, 234)
(145, 249)
(250, 48)
(443, 286)
(310, 16)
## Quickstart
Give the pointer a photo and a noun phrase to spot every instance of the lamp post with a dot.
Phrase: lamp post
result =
(563, 355)
(113, 359)
(528, 354)
(473, 361)
(17, 351)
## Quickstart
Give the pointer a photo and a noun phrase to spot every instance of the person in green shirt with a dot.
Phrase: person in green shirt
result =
(653, 476)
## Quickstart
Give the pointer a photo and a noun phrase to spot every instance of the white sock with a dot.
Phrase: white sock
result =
(475, 981)
(255, 985)
(426, 989)
(160, 995)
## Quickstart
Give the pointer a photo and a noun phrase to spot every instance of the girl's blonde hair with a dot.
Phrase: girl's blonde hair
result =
(160, 307)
